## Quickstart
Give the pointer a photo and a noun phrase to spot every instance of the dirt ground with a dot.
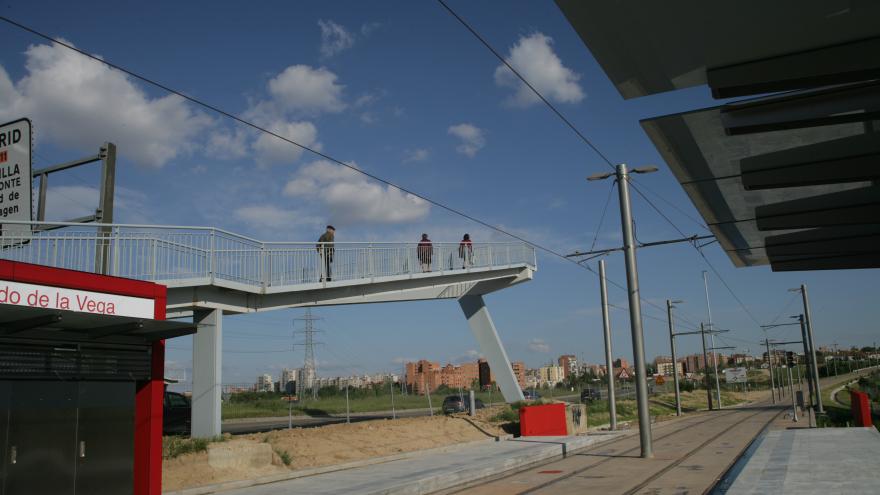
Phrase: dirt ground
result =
(327, 445)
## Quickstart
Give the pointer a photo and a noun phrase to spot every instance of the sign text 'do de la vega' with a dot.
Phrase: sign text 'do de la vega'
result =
(15, 179)
(82, 301)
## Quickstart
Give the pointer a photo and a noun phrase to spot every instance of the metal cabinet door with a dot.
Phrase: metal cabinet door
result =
(105, 438)
(41, 448)
(5, 391)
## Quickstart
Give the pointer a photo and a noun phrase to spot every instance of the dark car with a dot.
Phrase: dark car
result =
(456, 404)
(589, 395)
(177, 414)
(531, 395)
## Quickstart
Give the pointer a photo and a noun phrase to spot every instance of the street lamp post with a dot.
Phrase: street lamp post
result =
(635, 309)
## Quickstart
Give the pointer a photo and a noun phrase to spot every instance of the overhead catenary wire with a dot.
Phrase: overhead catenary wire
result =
(590, 144)
(247, 123)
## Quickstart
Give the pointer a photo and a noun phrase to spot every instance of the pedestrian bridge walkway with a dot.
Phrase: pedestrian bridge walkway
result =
(210, 273)
(212, 268)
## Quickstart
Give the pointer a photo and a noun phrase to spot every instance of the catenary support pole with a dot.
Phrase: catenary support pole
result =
(770, 364)
(712, 338)
(808, 319)
(672, 351)
(635, 312)
(472, 402)
(706, 367)
(791, 390)
(393, 410)
(489, 342)
(609, 360)
(207, 369)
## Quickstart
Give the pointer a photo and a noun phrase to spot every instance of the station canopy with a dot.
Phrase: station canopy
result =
(789, 176)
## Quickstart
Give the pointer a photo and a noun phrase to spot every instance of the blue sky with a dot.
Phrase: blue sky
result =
(404, 92)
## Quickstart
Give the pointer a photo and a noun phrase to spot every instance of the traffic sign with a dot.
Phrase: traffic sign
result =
(15, 180)
(735, 375)
(659, 380)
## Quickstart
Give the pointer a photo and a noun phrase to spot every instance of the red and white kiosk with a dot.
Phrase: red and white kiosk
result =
(81, 382)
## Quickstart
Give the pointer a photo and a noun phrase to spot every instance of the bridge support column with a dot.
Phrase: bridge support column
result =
(480, 321)
(207, 366)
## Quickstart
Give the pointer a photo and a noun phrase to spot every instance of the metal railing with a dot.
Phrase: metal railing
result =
(203, 255)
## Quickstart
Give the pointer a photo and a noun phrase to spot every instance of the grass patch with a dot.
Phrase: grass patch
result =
(176, 446)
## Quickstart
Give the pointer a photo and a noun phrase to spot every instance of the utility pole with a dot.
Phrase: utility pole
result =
(635, 308)
(712, 337)
(809, 321)
(672, 351)
(791, 390)
(635, 312)
(706, 365)
(310, 372)
(808, 371)
(770, 364)
(609, 360)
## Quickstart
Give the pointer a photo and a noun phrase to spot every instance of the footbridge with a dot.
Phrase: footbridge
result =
(211, 272)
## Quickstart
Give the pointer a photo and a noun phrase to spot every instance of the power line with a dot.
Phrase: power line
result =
(602, 218)
(588, 143)
(250, 124)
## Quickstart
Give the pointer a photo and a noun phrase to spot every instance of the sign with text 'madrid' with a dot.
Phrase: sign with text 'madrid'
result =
(15, 180)
(82, 301)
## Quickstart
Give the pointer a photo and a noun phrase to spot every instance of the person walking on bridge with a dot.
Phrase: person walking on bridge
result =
(425, 252)
(325, 251)
(466, 251)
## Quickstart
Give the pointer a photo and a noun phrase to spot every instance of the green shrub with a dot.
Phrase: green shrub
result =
(507, 415)
(177, 446)
(285, 456)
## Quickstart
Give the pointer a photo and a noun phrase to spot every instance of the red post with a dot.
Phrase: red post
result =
(860, 405)
(148, 427)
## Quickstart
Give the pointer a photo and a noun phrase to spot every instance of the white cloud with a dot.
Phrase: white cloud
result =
(271, 150)
(534, 58)
(303, 89)
(538, 345)
(471, 136)
(226, 145)
(80, 103)
(415, 155)
(267, 216)
(334, 38)
(368, 118)
(349, 197)
(368, 28)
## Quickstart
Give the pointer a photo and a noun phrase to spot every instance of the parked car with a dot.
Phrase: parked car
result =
(455, 404)
(177, 414)
(531, 395)
(589, 395)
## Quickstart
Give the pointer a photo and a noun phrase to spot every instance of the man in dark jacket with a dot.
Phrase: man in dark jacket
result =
(466, 251)
(325, 251)
(425, 252)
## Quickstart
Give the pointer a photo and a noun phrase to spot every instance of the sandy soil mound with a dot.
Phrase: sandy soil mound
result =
(327, 445)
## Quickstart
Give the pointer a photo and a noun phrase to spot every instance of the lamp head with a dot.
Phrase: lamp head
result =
(600, 176)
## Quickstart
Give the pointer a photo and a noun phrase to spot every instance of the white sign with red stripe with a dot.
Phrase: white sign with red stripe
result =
(82, 301)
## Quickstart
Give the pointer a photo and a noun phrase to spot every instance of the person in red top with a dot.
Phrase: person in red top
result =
(466, 251)
(425, 252)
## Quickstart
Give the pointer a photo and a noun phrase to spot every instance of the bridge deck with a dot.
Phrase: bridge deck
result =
(189, 258)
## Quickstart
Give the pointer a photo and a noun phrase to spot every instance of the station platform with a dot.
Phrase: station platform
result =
(807, 461)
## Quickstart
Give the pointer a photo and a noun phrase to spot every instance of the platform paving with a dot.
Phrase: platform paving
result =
(811, 461)
(431, 472)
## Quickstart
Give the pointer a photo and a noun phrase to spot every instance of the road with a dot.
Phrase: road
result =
(691, 454)
(260, 425)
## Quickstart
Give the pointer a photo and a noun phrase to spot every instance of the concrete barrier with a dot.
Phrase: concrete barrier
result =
(233, 455)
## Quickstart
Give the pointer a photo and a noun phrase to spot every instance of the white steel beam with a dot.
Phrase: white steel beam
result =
(207, 366)
(490, 345)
